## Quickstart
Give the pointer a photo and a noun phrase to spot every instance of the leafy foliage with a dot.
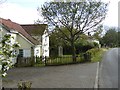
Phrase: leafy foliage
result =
(96, 54)
(76, 17)
(118, 38)
(110, 39)
(7, 53)
(98, 34)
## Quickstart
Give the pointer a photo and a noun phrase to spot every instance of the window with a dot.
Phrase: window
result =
(37, 51)
(26, 53)
(21, 52)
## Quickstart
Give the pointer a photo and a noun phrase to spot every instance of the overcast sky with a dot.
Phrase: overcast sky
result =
(25, 11)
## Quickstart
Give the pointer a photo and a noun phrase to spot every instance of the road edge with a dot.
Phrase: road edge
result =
(97, 75)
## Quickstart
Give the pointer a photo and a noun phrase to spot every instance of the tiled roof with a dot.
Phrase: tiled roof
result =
(35, 29)
(18, 28)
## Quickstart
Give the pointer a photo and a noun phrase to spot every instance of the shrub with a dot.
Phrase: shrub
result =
(24, 85)
(96, 44)
(96, 54)
(81, 48)
(38, 60)
(7, 53)
(87, 56)
(93, 51)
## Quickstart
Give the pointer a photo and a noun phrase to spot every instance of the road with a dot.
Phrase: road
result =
(66, 76)
(108, 71)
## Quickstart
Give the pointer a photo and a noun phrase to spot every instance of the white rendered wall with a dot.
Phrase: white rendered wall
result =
(45, 44)
(37, 51)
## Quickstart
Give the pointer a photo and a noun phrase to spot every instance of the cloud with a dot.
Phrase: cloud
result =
(112, 14)
(27, 15)
(19, 14)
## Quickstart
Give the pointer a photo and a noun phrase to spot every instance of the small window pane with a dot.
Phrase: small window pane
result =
(21, 52)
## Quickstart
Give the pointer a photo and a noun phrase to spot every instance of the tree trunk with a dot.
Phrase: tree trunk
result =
(73, 51)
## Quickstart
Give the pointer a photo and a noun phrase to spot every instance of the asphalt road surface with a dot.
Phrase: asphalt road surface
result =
(66, 76)
(108, 73)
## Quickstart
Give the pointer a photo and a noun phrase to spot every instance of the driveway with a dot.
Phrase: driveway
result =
(67, 76)
(109, 69)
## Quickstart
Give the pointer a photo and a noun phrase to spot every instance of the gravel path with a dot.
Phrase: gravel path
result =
(67, 76)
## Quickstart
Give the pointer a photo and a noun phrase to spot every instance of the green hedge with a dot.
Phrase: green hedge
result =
(96, 54)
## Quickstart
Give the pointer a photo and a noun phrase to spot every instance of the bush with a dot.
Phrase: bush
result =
(53, 51)
(38, 59)
(24, 85)
(81, 48)
(93, 51)
(96, 44)
(87, 56)
(7, 53)
(96, 54)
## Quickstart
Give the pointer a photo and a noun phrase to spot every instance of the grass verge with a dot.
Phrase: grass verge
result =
(97, 54)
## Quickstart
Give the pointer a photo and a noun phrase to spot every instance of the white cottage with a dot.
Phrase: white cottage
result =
(40, 33)
(33, 38)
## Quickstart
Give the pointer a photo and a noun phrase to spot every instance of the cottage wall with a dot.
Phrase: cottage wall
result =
(45, 44)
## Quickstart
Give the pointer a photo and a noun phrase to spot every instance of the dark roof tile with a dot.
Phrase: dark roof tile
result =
(35, 29)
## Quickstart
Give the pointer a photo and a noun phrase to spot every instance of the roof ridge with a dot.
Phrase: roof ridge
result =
(31, 24)
(19, 28)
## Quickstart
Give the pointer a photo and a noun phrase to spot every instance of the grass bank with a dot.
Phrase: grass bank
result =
(97, 54)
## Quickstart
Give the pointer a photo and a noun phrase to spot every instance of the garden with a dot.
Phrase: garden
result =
(91, 56)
